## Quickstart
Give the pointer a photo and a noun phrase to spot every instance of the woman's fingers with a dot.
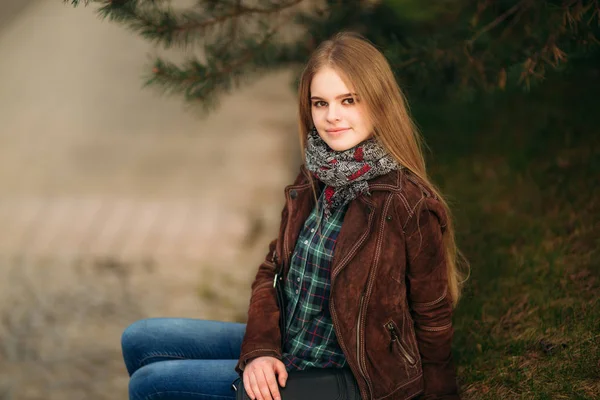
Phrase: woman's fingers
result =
(255, 387)
(247, 385)
(272, 383)
(265, 391)
(260, 380)
(281, 372)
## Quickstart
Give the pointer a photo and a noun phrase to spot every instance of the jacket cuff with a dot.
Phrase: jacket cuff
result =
(249, 356)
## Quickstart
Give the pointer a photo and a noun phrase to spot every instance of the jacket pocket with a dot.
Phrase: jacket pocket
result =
(396, 343)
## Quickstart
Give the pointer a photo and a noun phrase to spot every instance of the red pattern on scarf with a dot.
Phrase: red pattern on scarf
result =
(360, 172)
(358, 154)
(329, 191)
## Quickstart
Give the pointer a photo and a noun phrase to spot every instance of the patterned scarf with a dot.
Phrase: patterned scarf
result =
(346, 172)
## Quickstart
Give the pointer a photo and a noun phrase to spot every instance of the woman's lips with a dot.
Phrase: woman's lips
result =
(336, 131)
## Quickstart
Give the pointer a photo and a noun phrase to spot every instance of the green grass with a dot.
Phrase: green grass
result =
(522, 173)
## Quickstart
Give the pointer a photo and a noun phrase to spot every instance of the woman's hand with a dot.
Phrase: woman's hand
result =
(259, 378)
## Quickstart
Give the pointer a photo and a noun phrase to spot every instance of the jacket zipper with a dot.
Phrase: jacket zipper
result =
(361, 362)
(360, 367)
(343, 345)
(336, 327)
(395, 338)
(358, 331)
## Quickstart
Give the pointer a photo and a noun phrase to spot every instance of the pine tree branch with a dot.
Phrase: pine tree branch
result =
(238, 11)
(222, 70)
(163, 25)
(517, 43)
(498, 20)
(406, 63)
(76, 3)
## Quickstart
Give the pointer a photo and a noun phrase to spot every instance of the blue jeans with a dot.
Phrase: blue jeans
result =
(178, 358)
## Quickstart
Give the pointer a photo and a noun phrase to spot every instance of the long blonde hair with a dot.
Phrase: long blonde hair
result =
(359, 62)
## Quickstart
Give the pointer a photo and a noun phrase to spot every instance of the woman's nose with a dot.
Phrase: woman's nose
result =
(332, 114)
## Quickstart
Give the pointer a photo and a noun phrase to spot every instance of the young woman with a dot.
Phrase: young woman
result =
(367, 252)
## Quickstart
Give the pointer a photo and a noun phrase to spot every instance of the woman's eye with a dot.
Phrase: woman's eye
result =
(318, 103)
(350, 100)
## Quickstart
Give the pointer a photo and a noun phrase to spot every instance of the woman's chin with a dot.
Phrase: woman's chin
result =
(340, 145)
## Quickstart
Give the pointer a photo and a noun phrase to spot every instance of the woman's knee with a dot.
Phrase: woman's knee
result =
(157, 339)
(133, 332)
(189, 379)
(144, 331)
(142, 382)
(135, 342)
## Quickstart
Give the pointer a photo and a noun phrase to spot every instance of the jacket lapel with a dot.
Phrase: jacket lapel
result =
(357, 225)
(300, 202)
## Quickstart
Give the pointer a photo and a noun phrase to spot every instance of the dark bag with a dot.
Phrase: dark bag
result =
(313, 384)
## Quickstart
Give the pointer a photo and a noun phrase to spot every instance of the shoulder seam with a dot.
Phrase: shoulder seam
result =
(414, 180)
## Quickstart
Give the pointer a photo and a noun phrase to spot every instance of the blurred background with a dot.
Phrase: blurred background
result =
(119, 203)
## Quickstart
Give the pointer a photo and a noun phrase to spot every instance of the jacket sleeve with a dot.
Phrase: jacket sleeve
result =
(429, 300)
(262, 336)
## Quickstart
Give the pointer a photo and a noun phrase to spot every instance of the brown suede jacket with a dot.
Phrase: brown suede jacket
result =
(389, 302)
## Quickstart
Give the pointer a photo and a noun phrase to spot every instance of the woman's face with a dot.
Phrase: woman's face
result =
(338, 114)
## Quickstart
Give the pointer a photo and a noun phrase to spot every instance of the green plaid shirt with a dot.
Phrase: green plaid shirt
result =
(310, 340)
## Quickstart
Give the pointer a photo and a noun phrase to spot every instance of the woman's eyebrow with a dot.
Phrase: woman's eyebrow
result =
(336, 97)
